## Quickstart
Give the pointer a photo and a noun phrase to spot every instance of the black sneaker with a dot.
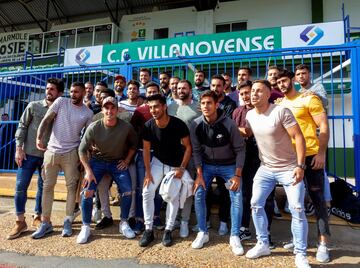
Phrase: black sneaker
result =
(271, 244)
(147, 238)
(245, 235)
(104, 223)
(167, 239)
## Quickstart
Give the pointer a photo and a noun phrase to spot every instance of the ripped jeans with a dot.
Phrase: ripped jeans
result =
(122, 179)
(264, 183)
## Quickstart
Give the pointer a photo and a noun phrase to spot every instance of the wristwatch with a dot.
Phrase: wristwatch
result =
(302, 166)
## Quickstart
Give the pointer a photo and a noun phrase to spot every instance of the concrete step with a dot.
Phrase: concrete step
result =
(8, 182)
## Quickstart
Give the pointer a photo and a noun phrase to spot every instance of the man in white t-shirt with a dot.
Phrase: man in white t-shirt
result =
(133, 93)
(69, 117)
(273, 127)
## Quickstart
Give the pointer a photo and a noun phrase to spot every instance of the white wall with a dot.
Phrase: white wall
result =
(177, 20)
(257, 13)
(265, 13)
(332, 11)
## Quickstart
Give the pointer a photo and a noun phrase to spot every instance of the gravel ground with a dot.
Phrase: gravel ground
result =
(109, 244)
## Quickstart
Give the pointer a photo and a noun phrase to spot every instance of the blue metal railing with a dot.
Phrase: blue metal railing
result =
(330, 65)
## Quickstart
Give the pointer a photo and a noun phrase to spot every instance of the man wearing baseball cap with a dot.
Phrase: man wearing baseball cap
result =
(113, 144)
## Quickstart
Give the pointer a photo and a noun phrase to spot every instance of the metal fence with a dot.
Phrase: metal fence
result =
(337, 67)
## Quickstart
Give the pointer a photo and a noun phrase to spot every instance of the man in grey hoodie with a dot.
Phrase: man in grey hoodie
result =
(218, 150)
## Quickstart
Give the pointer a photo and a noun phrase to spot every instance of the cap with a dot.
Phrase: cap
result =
(120, 77)
(111, 100)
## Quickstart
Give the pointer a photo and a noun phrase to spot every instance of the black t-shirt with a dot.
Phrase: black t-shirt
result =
(166, 142)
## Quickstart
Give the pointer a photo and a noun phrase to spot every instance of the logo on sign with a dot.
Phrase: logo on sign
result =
(311, 35)
(82, 56)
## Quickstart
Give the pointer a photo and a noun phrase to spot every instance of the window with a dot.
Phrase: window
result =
(35, 43)
(67, 38)
(51, 42)
(239, 26)
(161, 33)
(84, 37)
(231, 27)
(103, 34)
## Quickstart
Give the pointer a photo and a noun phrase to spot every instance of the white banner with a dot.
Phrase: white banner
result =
(83, 56)
(12, 46)
(319, 34)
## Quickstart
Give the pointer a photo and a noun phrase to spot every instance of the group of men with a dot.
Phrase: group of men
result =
(179, 139)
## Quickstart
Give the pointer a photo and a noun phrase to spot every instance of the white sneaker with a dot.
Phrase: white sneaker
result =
(200, 240)
(223, 229)
(184, 229)
(322, 253)
(236, 246)
(260, 249)
(289, 245)
(301, 261)
(84, 234)
(125, 230)
(96, 215)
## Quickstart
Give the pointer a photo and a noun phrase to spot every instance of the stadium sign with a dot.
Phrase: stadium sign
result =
(210, 44)
(200, 45)
(13, 46)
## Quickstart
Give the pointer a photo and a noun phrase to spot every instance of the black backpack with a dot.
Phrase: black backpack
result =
(344, 204)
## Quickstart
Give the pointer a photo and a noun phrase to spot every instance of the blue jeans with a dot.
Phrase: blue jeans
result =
(23, 178)
(236, 208)
(264, 183)
(122, 179)
(140, 174)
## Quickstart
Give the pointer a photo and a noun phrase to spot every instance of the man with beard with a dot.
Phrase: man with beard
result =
(273, 127)
(226, 104)
(310, 115)
(119, 87)
(272, 74)
(144, 77)
(302, 76)
(173, 87)
(112, 142)
(28, 157)
(229, 90)
(199, 88)
(96, 106)
(164, 86)
(187, 110)
(244, 74)
(131, 103)
(169, 139)
(69, 117)
(89, 95)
